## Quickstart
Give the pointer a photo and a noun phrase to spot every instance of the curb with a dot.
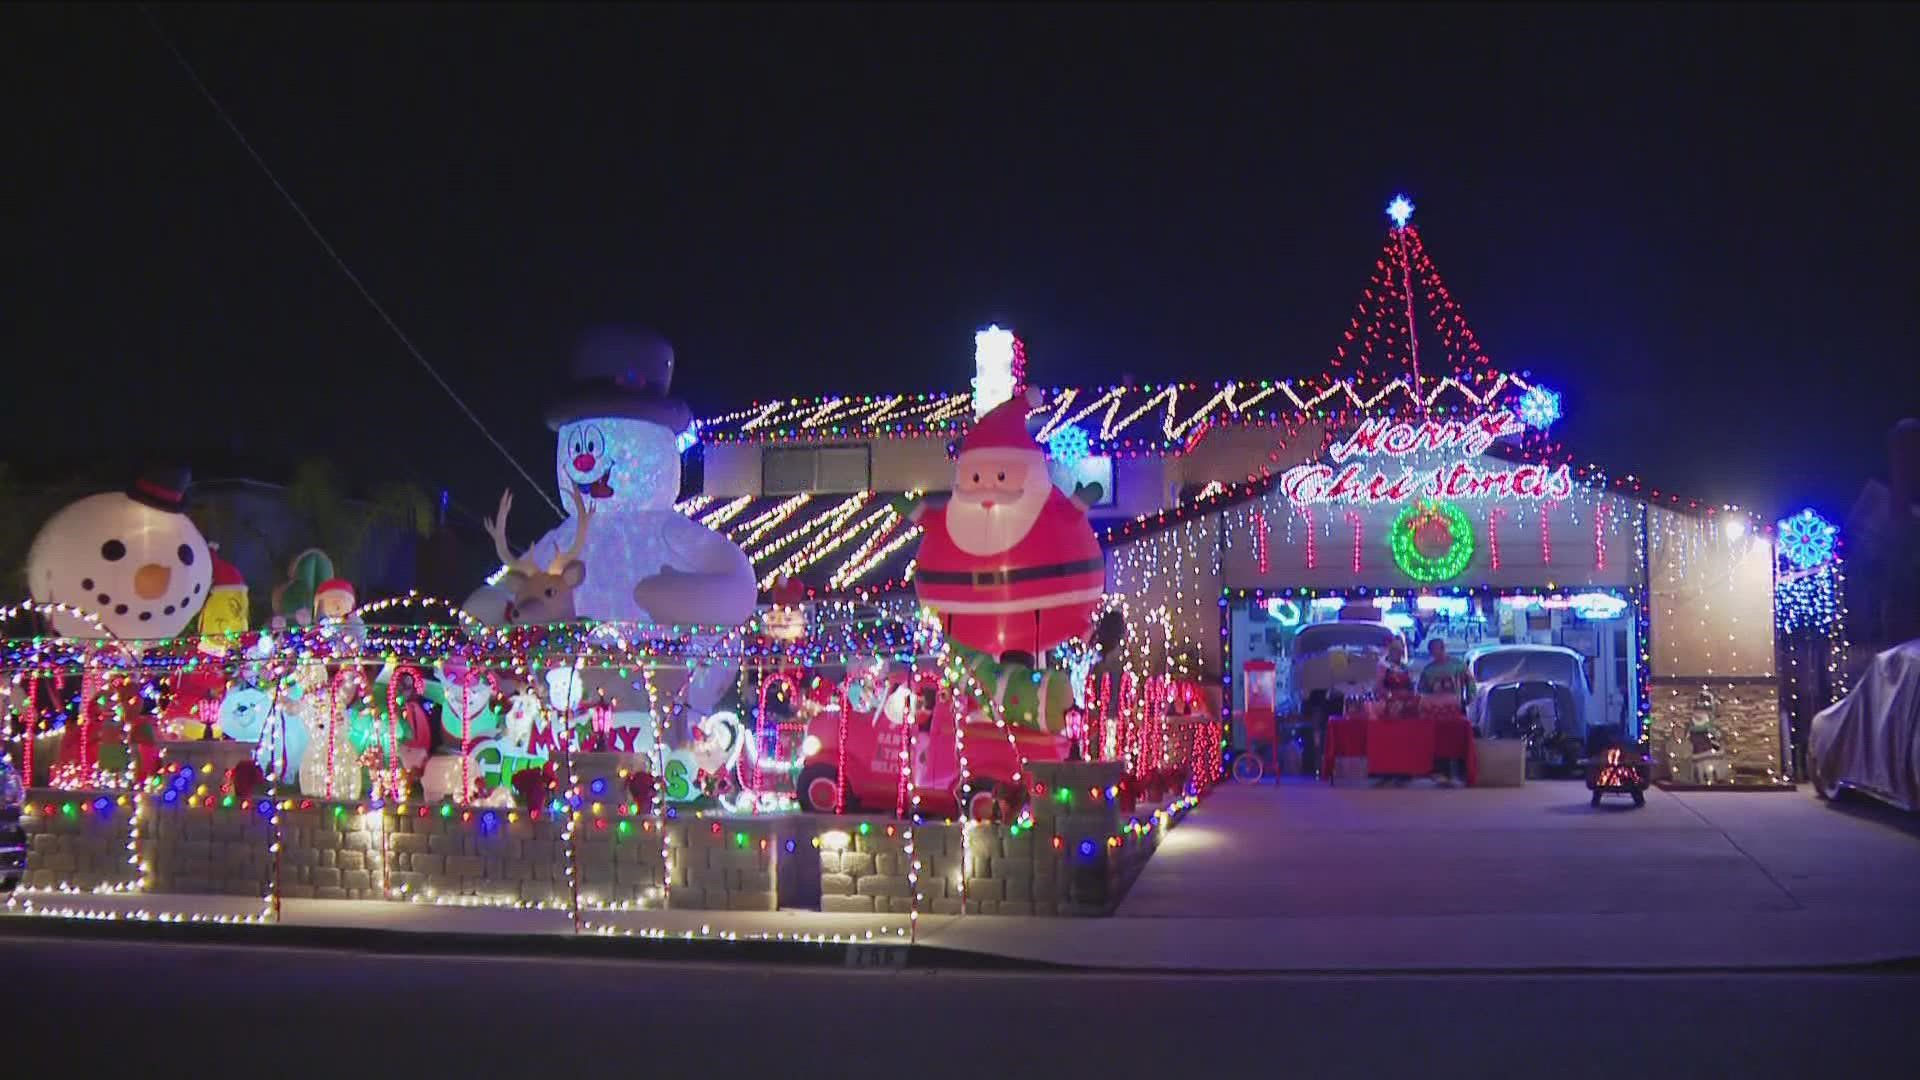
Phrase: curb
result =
(880, 955)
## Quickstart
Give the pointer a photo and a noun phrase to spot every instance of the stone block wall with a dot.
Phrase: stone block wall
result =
(1078, 857)
(722, 864)
(1747, 713)
(85, 849)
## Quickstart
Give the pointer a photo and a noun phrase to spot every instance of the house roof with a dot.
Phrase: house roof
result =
(831, 543)
(1164, 418)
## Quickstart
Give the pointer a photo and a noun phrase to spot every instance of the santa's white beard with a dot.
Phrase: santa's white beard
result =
(978, 530)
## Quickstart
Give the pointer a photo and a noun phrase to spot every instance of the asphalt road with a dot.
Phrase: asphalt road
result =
(297, 1012)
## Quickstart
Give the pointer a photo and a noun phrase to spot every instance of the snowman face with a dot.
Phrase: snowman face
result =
(618, 464)
(144, 572)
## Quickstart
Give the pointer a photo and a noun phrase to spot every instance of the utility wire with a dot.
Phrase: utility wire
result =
(314, 230)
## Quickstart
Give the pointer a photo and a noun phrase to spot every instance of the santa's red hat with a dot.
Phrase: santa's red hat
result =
(334, 585)
(1004, 428)
(226, 576)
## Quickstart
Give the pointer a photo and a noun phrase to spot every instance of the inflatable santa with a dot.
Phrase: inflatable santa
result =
(1009, 563)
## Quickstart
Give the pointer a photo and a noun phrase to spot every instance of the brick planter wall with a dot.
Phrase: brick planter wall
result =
(1077, 859)
(84, 850)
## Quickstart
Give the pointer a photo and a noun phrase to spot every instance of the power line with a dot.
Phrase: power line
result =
(314, 230)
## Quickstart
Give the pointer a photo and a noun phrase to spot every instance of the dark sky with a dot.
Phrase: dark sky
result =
(1692, 220)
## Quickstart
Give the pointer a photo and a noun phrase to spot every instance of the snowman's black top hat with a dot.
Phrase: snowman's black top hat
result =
(163, 488)
(621, 372)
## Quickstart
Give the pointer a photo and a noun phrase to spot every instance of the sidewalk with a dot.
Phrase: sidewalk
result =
(1302, 878)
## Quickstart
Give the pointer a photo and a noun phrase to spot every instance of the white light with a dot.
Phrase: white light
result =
(1736, 528)
(1596, 605)
(809, 746)
(1454, 606)
(1400, 210)
(1327, 603)
(1399, 620)
(993, 369)
(1384, 603)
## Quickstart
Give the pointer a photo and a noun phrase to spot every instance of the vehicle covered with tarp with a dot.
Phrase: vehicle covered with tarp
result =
(1869, 741)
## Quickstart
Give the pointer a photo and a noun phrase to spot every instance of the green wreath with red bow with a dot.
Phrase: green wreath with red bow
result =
(1432, 541)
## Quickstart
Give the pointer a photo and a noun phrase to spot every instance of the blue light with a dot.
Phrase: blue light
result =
(264, 808)
(489, 821)
(789, 847)
(1086, 848)
(1806, 539)
(1540, 407)
(599, 785)
(1069, 446)
(102, 804)
(1400, 210)
(170, 796)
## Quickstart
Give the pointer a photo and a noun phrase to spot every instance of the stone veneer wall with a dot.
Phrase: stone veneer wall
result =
(333, 851)
(1748, 717)
(84, 850)
(1004, 872)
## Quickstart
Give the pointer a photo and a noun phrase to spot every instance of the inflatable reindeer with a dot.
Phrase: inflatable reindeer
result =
(540, 594)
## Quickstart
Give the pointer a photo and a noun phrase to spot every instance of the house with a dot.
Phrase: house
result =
(1412, 475)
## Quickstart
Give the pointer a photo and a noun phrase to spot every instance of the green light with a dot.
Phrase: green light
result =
(739, 839)
(625, 827)
(864, 827)
(228, 801)
(445, 810)
(67, 809)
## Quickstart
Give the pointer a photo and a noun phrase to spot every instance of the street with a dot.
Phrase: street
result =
(298, 1013)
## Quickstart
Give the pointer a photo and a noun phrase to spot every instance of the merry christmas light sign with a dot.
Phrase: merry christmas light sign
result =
(1387, 460)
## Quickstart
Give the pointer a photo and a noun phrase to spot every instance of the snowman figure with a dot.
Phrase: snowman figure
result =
(133, 559)
(618, 446)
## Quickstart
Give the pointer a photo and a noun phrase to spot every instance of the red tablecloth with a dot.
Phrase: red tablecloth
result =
(1399, 744)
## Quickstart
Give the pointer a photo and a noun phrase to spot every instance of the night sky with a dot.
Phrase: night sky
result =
(1692, 221)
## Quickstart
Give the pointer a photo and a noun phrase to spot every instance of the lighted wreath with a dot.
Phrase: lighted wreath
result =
(1432, 541)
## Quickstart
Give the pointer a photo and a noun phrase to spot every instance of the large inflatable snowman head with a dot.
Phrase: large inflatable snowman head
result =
(132, 558)
(619, 434)
(619, 464)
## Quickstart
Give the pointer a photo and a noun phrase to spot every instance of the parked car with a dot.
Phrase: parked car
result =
(1333, 661)
(1869, 741)
(874, 740)
(13, 834)
(1534, 692)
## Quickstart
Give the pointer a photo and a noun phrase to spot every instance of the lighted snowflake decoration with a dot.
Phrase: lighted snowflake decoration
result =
(1069, 446)
(1806, 539)
(1400, 210)
(1540, 407)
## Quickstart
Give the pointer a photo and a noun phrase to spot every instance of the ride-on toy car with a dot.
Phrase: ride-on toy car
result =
(872, 760)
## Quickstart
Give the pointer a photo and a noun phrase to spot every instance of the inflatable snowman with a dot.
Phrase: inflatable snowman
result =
(131, 558)
(619, 446)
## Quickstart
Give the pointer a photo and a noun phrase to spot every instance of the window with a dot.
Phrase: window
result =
(790, 470)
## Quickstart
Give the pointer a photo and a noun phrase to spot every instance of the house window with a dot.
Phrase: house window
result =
(790, 470)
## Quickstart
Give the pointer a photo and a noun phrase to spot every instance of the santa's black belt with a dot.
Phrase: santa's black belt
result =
(1010, 577)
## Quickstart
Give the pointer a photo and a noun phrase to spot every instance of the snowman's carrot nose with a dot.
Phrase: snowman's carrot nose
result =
(150, 581)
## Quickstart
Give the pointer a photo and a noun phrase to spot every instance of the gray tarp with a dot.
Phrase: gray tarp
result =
(1870, 739)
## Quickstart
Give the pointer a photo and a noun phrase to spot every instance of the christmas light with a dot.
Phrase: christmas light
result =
(1806, 539)
(1069, 446)
(1400, 210)
(1539, 407)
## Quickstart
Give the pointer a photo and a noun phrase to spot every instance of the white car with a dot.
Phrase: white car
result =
(1869, 741)
(1523, 687)
(1333, 661)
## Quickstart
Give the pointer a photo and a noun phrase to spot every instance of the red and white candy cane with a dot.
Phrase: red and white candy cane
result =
(465, 689)
(419, 677)
(840, 766)
(760, 723)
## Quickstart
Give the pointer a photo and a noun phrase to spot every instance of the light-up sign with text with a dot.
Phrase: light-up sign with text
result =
(1388, 461)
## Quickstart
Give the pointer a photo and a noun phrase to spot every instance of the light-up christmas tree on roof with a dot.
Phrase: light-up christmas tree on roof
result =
(1406, 323)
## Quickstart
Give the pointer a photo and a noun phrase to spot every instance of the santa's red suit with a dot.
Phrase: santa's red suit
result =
(1039, 590)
